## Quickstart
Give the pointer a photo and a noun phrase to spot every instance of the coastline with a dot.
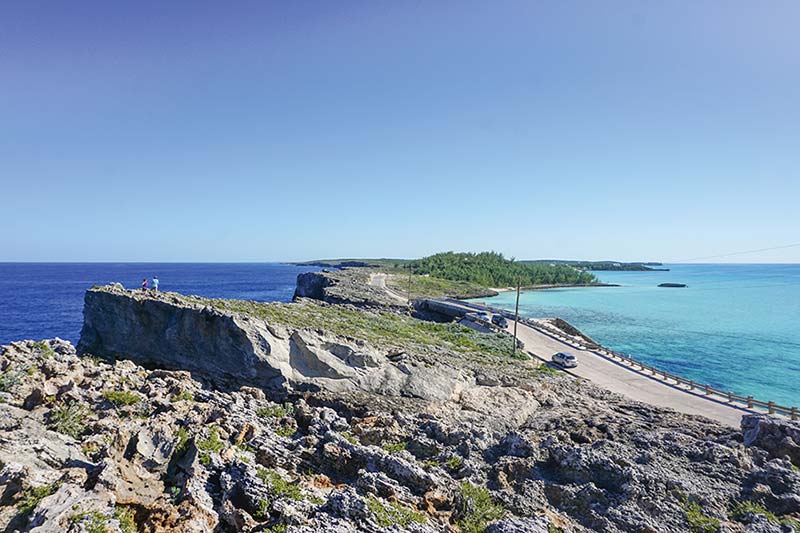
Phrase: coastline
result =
(553, 286)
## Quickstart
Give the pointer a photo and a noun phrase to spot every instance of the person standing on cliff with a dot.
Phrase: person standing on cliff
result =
(144, 285)
(155, 283)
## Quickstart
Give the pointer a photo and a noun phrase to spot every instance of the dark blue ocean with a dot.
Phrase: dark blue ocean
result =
(45, 300)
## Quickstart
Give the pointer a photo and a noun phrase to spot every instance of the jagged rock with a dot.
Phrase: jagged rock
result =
(232, 350)
(345, 286)
(360, 441)
(780, 438)
(520, 525)
(777, 484)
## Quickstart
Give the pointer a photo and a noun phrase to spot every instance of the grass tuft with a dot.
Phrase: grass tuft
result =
(213, 443)
(455, 462)
(699, 522)
(122, 398)
(393, 514)
(395, 446)
(276, 411)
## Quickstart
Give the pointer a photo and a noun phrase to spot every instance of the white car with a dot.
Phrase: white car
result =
(565, 359)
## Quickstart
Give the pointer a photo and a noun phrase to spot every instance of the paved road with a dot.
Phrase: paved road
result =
(634, 383)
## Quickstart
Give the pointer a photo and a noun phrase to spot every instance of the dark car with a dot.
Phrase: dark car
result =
(499, 321)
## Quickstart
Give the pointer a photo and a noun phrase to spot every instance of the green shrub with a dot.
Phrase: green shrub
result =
(544, 368)
(279, 486)
(184, 396)
(69, 419)
(30, 498)
(699, 522)
(93, 522)
(262, 512)
(790, 522)
(744, 508)
(127, 523)
(122, 398)
(393, 513)
(477, 508)
(430, 463)
(349, 437)
(45, 349)
(285, 431)
(455, 462)
(276, 411)
(394, 447)
(9, 380)
(213, 443)
(182, 439)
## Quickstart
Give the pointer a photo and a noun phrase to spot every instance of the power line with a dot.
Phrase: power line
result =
(738, 253)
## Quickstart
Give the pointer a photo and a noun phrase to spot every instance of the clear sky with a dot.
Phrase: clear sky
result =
(257, 130)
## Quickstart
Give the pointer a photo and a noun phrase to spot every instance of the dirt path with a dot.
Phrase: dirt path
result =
(378, 279)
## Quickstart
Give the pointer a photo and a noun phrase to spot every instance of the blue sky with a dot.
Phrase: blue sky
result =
(256, 131)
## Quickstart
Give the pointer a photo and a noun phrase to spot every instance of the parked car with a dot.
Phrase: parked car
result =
(499, 321)
(480, 315)
(564, 359)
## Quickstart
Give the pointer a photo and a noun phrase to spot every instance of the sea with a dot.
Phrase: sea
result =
(735, 326)
(45, 300)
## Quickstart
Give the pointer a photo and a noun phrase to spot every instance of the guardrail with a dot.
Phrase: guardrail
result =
(751, 403)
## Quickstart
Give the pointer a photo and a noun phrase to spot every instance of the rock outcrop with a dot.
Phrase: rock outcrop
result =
(346, 286)
(230, 349)
(365, 437)
(119, 448)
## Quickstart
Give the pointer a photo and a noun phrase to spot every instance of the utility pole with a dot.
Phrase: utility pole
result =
(409, 286)
(516, 319)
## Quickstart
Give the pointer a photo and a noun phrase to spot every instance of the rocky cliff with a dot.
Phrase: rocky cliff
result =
(477, 441)
(345, 286)
(232, 348)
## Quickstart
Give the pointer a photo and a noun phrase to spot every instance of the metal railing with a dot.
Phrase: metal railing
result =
(731, 397)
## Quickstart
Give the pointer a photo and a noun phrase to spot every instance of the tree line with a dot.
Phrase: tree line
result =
(491, 269)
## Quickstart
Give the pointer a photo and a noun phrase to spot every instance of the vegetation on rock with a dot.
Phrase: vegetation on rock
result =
(121, 398)
(477, 508)
(384, 329)
(393, 514)
(69, 418)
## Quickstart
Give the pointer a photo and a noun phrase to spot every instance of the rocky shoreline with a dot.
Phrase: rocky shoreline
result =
(185, 414)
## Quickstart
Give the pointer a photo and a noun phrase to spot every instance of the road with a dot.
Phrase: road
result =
(636, 384)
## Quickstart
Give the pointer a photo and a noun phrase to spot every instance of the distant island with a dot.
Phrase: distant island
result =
(605, 265)
(597, 266)
(465, 274)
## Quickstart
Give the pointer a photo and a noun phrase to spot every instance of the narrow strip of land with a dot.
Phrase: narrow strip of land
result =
(636, 384)
(617, 376)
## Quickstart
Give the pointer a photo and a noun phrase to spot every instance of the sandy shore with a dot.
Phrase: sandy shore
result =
(555, 286)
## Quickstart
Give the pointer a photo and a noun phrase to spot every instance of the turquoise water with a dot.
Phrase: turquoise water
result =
(736, 327)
